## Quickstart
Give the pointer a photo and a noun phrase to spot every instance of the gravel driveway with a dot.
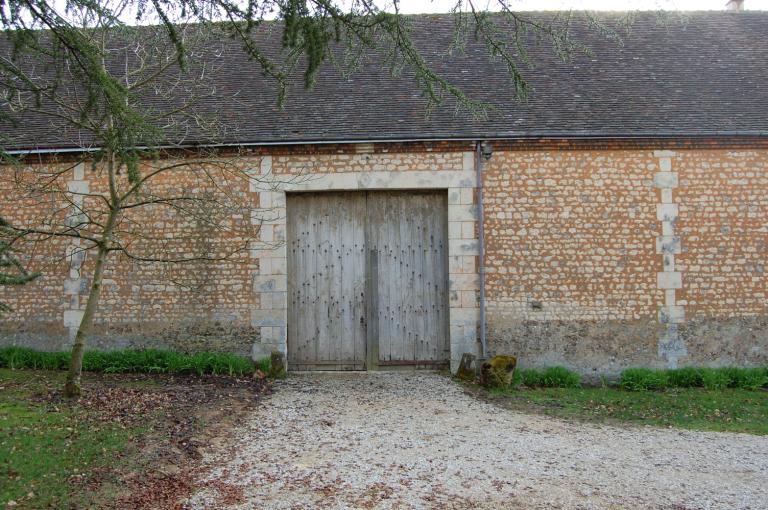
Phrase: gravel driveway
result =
(400, 440)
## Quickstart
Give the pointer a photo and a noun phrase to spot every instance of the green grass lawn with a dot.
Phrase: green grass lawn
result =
(47, 450)
(134, 440)
(730, 410)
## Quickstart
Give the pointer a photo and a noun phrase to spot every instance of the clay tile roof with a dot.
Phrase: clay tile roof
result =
(679, 74)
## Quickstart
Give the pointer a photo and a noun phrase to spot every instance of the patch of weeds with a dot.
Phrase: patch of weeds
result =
(264, 365)
(688, 377)
(552, 377)
(560, 377)
(131, 361)
(714, 379)
(643, 379)
(529, 377)
(747, 378)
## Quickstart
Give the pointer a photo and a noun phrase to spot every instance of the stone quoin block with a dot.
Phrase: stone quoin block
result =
(78, 172)
(266, 165)
(268, 216)
(669, 280)
(80, 187)
(72, 318)
(76, 286)
(665, 180)
(269, 283)
(464, 212)
(464, 281)
(668, 244)
(268, 318)
(667, 212)
(463, 247)
(273, 335)
(672, 314)
(468, 162)
(468, 230)
(464, 316)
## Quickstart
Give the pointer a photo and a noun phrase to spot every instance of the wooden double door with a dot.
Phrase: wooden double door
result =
(367, 280)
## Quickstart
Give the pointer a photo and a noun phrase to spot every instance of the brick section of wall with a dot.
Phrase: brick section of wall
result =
(39, 306)
(568, 236)
(723, 224)
(191, 306)
(596, 258)
(570, 261)
(601, 260)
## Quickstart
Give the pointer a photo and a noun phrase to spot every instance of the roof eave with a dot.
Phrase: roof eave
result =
(585, 135)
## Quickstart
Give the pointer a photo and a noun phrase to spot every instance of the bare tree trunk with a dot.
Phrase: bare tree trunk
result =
(72, 388)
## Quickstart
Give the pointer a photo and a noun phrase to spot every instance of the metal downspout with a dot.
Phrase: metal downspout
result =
(481, 242)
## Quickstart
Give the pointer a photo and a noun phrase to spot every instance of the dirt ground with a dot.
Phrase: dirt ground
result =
(395, 440)
(179, 416)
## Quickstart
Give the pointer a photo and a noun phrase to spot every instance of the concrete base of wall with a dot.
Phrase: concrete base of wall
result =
(606, 348)
(733, 341)
(591, 348)
(595, 349)
(183, 336)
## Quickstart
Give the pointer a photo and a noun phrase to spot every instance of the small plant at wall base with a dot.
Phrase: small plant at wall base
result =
(552, 377)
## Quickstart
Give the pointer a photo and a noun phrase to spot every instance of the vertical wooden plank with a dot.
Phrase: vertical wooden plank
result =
(306, 270)
(352, 278)
(379, 233)
(292, 253)
(433, 261)
(323, 286)
(336, 218)
(435, 258)
(393, 276)
(359, 285)
(372, 335)
(420, 317)
(385, 273)
(411, 296)
(296, 233)
(313, 318)
(420, 211)
(346, 277)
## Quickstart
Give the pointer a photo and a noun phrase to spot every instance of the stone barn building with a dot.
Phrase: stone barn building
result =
(618, 218)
